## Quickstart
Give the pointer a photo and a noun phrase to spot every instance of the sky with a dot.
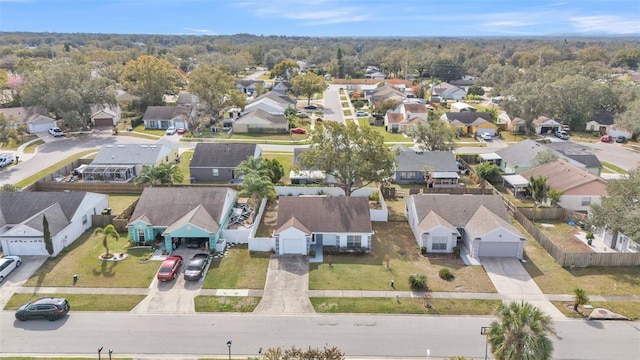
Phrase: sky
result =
(371, 18)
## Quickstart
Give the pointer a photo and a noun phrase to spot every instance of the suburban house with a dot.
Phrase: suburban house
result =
(218, 161)
(385, 92)
(123, 162)
(519, 157)
(282, 87)
(68, 215)
(470, 122)
(545, 126)
(261, 121)
(411, 166)
(460, 107)
(580, 188)
(299, 175)
(170, 216)
(303, 222)
(397, 122)
(480, 223)
(105, 115)
(163, 117)
(35, 118)
(272, 102)
(414, 110)
(446, 91)
(603, 122)
(516, 125)
(248, 86)
(578, 155)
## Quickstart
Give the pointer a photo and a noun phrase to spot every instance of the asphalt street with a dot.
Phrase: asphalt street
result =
(359, 336)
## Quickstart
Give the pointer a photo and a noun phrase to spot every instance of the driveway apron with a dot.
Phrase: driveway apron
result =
(513, 283)
(286, 290)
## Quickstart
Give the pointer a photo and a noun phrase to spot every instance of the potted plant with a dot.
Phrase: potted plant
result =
(589, 237)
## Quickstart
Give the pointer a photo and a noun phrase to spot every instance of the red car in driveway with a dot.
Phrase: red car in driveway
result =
(181, 131)
(169, 268)
(605, 138)
(298, 131)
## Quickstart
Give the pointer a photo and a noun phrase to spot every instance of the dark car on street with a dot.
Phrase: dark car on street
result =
(311, 107)
(621, 139)
(195, 267)
(49, 308)
(169, 268)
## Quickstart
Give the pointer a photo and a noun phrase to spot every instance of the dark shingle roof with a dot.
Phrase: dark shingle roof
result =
(468, 117)
(603, 117)
(221, 155)
(164, 112)
(19, 206)
(326, 214)
(574, 151)
(166, 206)
(410, 160)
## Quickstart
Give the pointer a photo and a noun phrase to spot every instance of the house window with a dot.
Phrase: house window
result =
(586, 201)
(354, 241)
(141, 235)
(216, 173)
(407, 175)
(84, 220)
(439, 243)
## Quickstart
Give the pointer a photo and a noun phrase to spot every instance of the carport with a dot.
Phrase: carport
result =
(517, 183)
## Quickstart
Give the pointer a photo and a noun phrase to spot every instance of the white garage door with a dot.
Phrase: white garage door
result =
(293, 246)
(498, 249)
(37, 128)
(491, 132)
(26, 247)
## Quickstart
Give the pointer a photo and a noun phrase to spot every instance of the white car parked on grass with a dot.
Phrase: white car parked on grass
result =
(7, 265)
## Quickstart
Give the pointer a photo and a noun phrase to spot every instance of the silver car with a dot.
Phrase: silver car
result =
(196, 266)
(8, 264)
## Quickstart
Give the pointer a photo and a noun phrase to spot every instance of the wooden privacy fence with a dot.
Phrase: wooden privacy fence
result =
(101, 220)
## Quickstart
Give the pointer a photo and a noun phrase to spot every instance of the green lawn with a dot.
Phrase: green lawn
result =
(31, 148)
(81, 258)
(630, 309)
(284, 158)
(226, 303)
(183, 165)
(405, 306)
(239, 269)
(395, 240)
(119, 202)
(554, 279)
(39, 175)
(83, 302)
(14, 145)
(612, 167)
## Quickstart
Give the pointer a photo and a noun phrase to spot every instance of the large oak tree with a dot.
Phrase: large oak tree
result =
(354, 156)
(215, 87)
(150, 77)
(308, 84)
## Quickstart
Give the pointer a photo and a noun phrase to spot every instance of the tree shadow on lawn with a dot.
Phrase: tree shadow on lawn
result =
(107, 269)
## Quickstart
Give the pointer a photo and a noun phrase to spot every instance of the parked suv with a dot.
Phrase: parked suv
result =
(47, 308)
(562, 134)
(56, 131)
(6, 159)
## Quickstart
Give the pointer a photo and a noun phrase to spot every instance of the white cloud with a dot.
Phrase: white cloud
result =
(198, 30)
(606, 24)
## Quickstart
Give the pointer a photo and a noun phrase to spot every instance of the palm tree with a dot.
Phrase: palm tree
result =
(257, 186)
(107, 231)
(251, 165)
(150, 175)
(538, 188)
(580, 297)
(521, 333)
(171, 173)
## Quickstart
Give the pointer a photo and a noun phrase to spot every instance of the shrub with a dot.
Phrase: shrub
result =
(418, 281)
(423, 250)
(445, 274)
(456, 251)
(375, 196)
(312, 253)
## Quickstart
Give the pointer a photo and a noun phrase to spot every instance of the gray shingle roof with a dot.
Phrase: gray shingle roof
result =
(603, 117)
(577, 152)
(344, 214)
(165, 112)
(221, 155)
(457, 209)
(468, 117)
(411, 160)
(202, 207)
(132, 154)
(17, 207)
(262, 114)
(521, 153)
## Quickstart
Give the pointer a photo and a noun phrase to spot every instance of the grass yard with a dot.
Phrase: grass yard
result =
(630, 309)
(405, 306)
(83, 302)
(39, 175)
(554, 279)
(239, 269)
(395, 240)
(31, 148)
(284, 158)
(226, 303)
(119, 202)
(81, 258)
(613, 168)
(14, 145)
(268, 223)
(561, 235)
(183, 165)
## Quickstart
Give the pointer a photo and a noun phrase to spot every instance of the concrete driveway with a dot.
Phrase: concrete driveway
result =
(19, 276)
(513, 283)
(286, 290)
